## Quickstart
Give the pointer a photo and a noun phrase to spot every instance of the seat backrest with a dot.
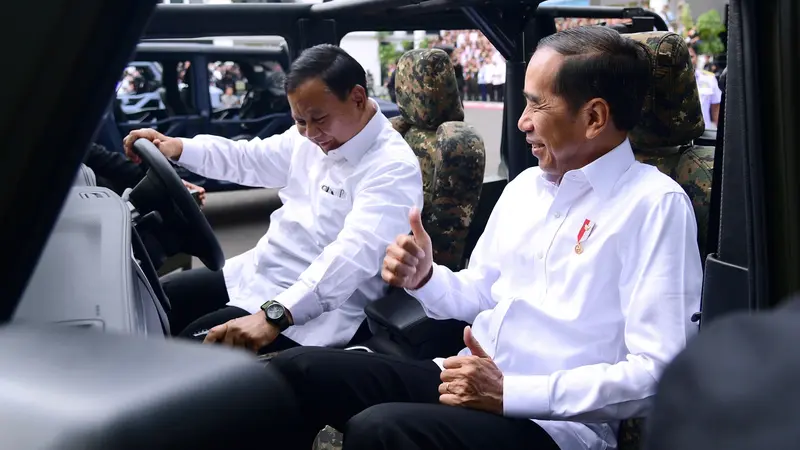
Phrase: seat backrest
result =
(451, 154)
(671, 119)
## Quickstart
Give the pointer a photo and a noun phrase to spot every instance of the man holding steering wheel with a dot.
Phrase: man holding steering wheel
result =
(347, 181)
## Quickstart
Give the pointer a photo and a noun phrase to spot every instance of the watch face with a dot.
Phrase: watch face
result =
(274, 312)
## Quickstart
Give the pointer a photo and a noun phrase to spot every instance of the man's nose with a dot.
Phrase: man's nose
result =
(312, 131)
(525, 124)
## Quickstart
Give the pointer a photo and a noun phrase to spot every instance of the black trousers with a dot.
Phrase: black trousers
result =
(199, 298)
(383, 402)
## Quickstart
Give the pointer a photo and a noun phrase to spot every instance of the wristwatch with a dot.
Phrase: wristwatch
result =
(276, 314)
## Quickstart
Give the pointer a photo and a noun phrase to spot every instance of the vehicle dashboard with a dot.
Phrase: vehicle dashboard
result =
(87, 275)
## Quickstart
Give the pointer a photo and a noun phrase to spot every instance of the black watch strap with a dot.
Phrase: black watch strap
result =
(276, 314)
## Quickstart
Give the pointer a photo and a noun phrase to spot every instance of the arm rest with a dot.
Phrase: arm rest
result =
(399, 318)
(399, 314)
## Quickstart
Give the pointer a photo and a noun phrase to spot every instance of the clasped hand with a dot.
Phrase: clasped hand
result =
(472, 381)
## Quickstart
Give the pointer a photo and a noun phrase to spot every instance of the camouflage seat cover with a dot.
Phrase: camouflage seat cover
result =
(450, 152)
(671, 119)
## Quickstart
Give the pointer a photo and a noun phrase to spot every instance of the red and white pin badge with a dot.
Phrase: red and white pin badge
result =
(583, 234)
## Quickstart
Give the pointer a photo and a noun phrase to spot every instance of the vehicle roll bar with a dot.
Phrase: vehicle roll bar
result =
(600, 12)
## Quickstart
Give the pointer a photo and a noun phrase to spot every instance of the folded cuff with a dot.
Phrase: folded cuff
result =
(431, 291)
(526, 396)
(192, 154)
(301, 301)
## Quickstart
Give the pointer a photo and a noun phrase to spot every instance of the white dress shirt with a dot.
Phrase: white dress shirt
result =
(322, 254)
(581, 336)
(709, 92)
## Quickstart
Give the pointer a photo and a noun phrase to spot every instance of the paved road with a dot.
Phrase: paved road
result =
(241, 218)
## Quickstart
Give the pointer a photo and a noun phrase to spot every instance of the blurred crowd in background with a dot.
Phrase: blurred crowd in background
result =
(481, 69)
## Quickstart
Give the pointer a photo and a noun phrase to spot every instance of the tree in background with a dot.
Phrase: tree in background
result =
(709, 27)
(686, 22)
(388, 54)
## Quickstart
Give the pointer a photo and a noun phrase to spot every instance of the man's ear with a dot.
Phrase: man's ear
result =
(597, 115)
(359, 95)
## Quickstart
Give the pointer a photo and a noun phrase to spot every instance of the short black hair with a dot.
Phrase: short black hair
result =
(337, 69)
(600, 63)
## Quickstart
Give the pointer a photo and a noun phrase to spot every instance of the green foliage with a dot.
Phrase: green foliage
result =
(407, 45)
(685, 18)
(709, 26)
(425, 43)
(388, 55)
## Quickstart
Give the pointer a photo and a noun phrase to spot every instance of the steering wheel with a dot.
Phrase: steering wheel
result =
(162, 191)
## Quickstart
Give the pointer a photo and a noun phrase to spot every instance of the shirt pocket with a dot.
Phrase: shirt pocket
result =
(334, 203)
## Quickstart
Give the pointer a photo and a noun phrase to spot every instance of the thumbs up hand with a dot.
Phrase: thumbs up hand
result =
(409, 260)
(472, 381)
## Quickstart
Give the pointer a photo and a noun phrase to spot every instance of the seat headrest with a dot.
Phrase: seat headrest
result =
(426, 89)
(672, 115)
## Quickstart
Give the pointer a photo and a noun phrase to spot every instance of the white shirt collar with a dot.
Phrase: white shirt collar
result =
(604, 172)
(355, 148)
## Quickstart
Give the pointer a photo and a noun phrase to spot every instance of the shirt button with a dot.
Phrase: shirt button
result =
(540, 254)
(557, 215)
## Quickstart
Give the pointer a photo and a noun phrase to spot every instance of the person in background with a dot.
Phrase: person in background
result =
(390, 82)
(498, 77)
(229, 99)
(485, 81)
(710, 93)
(215, 95)
(489, 72)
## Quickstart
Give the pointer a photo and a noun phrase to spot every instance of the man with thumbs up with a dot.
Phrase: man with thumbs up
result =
(580, 290)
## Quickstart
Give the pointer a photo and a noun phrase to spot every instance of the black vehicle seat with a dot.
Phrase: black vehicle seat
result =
(187, 93)
(452, 160)
(171, 94)
(672, 118)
